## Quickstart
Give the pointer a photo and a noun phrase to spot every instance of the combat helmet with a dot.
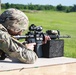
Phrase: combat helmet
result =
(14, 20)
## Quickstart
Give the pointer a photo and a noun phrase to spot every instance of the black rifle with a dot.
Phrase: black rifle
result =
(36, 35)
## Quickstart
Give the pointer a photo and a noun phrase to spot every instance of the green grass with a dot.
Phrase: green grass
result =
(65, 22)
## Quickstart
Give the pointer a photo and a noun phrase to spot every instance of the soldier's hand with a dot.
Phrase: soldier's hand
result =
(30, 46)
(46, 38)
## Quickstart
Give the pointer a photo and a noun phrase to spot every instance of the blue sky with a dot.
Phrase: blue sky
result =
(43, 2)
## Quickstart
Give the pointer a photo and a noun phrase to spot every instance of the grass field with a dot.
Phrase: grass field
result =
(65, 22)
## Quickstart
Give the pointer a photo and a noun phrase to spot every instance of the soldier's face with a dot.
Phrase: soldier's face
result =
(14, 33)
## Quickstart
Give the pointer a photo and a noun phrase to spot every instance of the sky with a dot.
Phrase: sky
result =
(42, 2)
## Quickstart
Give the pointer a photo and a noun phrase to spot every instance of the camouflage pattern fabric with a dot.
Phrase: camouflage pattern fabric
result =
(14, 19)
(14, 48)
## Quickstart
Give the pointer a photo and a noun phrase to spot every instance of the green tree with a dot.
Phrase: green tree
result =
(59, 7)
(74, 8)
(7, 5)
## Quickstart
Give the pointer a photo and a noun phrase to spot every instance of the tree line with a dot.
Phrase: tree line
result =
(40, 7)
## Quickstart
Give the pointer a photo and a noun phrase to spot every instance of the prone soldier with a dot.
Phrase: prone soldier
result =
(12, 23)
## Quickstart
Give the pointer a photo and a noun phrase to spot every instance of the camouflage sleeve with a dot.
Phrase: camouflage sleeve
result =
(15, 49)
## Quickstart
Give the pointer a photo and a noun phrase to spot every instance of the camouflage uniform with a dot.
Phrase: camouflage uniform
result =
(11, 46)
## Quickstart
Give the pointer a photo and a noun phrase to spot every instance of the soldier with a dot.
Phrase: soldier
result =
(14, 22)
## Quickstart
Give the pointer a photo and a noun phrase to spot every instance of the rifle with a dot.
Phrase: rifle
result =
(51, 36)
(36, 35)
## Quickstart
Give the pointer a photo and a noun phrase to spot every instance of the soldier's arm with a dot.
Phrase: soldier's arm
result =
(15, 49)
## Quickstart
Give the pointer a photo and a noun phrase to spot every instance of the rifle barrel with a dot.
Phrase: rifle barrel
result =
(64, 36)
(22, 37)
